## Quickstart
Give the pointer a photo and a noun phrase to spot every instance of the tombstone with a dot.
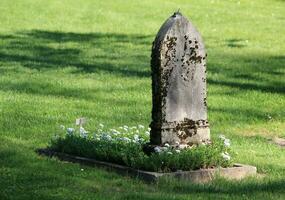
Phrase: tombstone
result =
(178, 65)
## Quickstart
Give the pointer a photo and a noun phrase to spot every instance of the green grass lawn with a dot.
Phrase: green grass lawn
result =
(60, 60)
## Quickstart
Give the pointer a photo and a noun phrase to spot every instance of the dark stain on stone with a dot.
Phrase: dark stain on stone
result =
(185, 46)
(205, 102)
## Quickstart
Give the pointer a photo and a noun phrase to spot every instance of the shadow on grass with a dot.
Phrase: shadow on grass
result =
(236, 43)
(222, 187)
(237, 115)
(47, 178)
(45, 88)
(128, 55)
(29, 176)
(248, 72)
(25, 175)
(118, 54)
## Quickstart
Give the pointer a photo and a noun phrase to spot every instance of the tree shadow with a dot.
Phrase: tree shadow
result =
(128, 55)
(31, 176)
(87, 52)
(26, 175)
(237, 115)
(49, 89)
(223, 187)
(236, 43)
(263, 73)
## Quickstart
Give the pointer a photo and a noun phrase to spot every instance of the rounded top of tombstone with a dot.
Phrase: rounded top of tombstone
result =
(177, 13)
(177, 25)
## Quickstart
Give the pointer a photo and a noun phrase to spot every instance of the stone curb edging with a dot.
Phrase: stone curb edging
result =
(237, 172)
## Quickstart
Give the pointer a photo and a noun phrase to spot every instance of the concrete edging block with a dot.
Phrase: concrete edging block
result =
(237, 172)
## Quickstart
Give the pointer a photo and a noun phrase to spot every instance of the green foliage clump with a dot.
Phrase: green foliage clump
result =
(126, 148)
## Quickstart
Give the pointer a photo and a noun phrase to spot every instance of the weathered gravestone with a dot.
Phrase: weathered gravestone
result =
(178, 64)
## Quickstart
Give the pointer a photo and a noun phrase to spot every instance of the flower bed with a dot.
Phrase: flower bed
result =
(125, 146)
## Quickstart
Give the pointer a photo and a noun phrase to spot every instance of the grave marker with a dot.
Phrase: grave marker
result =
(178, 64)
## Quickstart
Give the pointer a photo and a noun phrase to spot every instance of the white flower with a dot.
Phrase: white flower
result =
(222, 137)
(136, 137)
(136, 141)
(141, 126)
(227, 143)
(169, 153)
(62, 127)
(164, 148)
(106, 137)
(147, 133)
(148, 129)
(141, 140)
(157, 149)
(126, 139)
(70, 131)
(133, 127)
(115, 132)
(83, 132)
(125, 127)
(55, 136)
(101, 125)
(166, 145)
(137, 131)
(177, 151)
(226, 156)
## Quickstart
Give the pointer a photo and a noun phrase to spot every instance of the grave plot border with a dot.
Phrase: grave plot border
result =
(237, 172)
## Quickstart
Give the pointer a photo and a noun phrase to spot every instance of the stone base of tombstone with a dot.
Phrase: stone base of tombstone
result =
(187, 133)
(237, 172)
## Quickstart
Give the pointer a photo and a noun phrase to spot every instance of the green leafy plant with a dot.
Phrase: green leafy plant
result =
(125, 147)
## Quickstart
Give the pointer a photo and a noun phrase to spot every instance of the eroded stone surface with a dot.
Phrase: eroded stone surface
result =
(178, 64)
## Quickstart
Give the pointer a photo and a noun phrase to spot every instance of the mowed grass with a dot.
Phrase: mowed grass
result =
(60, 60)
